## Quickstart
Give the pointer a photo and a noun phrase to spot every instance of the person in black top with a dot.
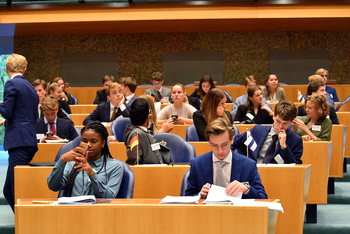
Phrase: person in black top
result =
(101, 95)
(56, 90)
(254, 110)
(65, 95)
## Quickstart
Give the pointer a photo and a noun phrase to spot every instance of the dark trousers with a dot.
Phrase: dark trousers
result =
(17, 156)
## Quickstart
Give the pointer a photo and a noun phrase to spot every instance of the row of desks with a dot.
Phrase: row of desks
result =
(289, 184)
(86, 95)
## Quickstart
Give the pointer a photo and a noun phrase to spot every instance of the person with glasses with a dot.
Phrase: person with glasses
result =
(331, 91)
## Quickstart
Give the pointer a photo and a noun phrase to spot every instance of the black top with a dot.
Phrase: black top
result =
(195, 102)
(64, 105)
(332, 115)
(201, 124)
(262, 117)
(101, 97)
(195, 94)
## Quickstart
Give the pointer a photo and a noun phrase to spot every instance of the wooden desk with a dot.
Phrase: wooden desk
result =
(78, 119)
(46, 152)
(156, 182)
(142, 216)
(82, 109)
(344, 118)
(336, 167)
(107, 126)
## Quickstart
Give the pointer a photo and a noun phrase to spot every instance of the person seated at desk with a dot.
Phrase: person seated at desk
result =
(50, 123)
(94, 173)
(101, 95)
(141, 146)
(271, 91)
(254, 111)
(160, 93)
(205, 85)
(40, 88)
(315, 78)
(276, 143)
(109, 111)
(56, 90)
(315, 125)
(331, 91)
(318, 88)
(249, 81)
(213, 106)
(193, 101)
(129, 86)
(182, 111)
(224, 167)
(67, 97)
(167, 125)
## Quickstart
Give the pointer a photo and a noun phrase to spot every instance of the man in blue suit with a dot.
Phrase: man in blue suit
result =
(288, 146)
(129, 86)
(60, 128)
(20, 109)
(109, 111)
(223, 167)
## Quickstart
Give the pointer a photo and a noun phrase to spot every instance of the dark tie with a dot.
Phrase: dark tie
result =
(159, 95)
(114, 113)
(52, 128)
(271, 150)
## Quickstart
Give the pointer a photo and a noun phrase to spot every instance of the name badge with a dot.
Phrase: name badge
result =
(316, 128)
(155, 146)
(250, 116)
(279, 159)
(327, 116)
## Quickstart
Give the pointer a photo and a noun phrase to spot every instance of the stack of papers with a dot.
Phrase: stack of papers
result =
(217, 195)
(180, 200)
(79, 200)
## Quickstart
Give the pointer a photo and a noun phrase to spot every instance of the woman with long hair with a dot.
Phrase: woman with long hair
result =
(213, 106)
(205, 84)
(167, 126)
(93, 173)
(271, 91)
(65, 95)
(56, 90)
(315, 124)
(254, 110)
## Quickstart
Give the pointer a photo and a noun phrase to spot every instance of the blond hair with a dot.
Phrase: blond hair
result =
(53, 87)
(315, 78)
(320, 71)
(50, 102)
(219, 126)
(320, 103)
(112, 86)
(153, 119)
(16, 63)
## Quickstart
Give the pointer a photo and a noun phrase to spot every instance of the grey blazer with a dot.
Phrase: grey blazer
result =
(165, 93)
(280, 94)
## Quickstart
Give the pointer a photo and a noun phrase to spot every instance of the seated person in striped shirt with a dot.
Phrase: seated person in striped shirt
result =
(58, 128)
(109, 111)
(287, 145)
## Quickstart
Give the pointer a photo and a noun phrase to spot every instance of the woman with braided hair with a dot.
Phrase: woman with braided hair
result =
(95, 173)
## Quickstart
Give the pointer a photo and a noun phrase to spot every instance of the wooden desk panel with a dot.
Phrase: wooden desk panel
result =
(107, 126)
(46, 152)
(344, 118)
(336, 167)
(78, 119)
(143, 217)
(82, 109)
(85, 95)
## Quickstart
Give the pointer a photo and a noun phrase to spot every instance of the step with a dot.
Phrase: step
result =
(341, 193)
(7, 220)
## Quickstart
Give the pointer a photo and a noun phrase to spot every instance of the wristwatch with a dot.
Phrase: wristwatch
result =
(93, 172)
(248, 187)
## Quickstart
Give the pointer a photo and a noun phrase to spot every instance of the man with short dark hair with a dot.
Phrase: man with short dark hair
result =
(160, 93)
(286, 145)
(139, 142)
(223, 167)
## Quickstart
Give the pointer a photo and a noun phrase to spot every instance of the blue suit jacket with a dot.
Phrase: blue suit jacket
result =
(332, 93)
(131, 101)
(291, 154)
(243, 170)
(102, 113)
(20, 109)
(64, 128)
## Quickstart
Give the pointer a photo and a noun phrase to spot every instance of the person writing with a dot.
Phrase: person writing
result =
(93, 173)
(276, 143)
(224, 167)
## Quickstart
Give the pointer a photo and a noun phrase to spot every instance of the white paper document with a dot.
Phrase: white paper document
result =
(57, 141)
(252, 202)
(180, 199)
(217, 195)
(78, 200)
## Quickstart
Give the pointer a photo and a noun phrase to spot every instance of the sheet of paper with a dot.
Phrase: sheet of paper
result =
(252, 202)
(180, 200)
(57, 141)
(217, 195)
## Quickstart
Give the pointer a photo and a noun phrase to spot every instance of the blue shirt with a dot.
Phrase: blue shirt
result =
(102, 184)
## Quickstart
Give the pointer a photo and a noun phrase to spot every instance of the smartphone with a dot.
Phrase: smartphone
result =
(84, 146)
(174, 117)
(49, 134)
